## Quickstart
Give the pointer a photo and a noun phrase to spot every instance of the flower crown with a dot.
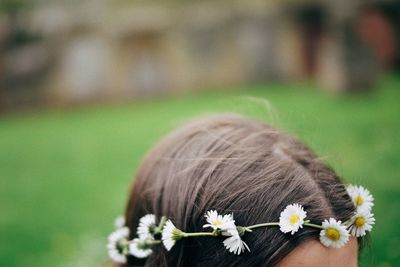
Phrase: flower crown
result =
(333, 233)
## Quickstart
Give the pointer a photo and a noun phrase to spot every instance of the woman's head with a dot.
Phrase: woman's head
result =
(234, 165)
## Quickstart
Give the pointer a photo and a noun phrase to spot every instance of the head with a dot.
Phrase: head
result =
(237, 165)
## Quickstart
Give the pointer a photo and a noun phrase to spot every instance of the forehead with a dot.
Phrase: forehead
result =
(313, 254)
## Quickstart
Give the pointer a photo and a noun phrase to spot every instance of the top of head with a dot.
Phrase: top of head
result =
(235, 165)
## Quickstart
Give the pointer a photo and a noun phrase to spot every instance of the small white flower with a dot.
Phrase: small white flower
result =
(119, 222)
(146, 223)
(137, 250)
(226, 223)
(118, 245)
(292, 218)
(361, 223)
(334, 234)
(216, 221)
(234, 243)
(170, 234)
(361, 197)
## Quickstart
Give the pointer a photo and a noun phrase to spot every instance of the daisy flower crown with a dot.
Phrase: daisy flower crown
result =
(333, 233)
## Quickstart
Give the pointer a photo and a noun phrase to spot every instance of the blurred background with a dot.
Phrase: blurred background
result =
(88, 86)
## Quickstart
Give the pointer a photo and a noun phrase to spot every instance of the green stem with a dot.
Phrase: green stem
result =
(144, 244)
(200, 234)
(246, 228)
(262, 225)
(153, 242)
(314, 225)
(158, 230)
(277, 224)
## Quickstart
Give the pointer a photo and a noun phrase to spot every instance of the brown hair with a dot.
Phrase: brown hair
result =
(234, 165)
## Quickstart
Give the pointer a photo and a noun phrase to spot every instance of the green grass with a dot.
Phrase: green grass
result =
(65, 175)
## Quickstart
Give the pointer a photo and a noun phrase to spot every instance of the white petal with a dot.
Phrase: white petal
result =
(217, 221)
(341, 229)
(167, 235)
(137, 252)
(145, 223)
(285, 223)
(357, 192)
(369, 221)
(235, 244)
(113, 239)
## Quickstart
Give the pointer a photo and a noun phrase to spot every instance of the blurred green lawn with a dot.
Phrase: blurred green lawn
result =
(65, 175)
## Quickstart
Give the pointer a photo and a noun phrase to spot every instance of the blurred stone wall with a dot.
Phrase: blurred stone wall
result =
(97, 51)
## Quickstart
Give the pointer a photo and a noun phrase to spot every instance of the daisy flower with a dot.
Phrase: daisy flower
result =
(292, 218)
(361, 197)
(138, 249)
(170, 234)
(216, 221)
(234, 243)
(226, 223)
(361, 223)
(334, 234)
(118, 245)
(147, 224)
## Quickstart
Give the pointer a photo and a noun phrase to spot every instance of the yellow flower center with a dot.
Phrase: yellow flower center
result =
(294, 219)
(217, 223)
(360, 221)
(332, 234)
(359, 200)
